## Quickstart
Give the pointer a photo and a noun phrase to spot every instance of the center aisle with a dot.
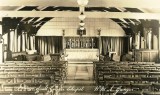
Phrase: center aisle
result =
(80, 71)
(80, 80)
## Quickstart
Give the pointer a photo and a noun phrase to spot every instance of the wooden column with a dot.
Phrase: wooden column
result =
(1, 42)
(63, 55)
(63, 42)
(100, 42)
(159, 42)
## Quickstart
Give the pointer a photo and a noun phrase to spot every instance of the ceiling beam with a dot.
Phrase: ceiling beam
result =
(92, 3)
(128, 15)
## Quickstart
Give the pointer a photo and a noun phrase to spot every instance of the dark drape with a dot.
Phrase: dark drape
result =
(49, 44)
(114, 44)
(19, 42)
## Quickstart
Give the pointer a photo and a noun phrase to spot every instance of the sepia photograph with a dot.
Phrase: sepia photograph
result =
(79, 47)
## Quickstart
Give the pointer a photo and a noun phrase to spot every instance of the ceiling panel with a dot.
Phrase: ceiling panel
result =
(92, 3)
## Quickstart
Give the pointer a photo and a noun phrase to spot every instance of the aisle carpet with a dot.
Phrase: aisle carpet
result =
(82, 82)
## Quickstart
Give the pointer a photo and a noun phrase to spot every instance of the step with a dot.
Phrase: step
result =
(79, 82)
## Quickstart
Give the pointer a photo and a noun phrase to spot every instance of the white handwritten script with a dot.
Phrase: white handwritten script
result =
(116, 89)
(73, 89)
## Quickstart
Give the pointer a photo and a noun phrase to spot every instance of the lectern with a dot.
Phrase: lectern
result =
(55, 57)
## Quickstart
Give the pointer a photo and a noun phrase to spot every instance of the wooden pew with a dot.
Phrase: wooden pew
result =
(31, 74)
(141, 75)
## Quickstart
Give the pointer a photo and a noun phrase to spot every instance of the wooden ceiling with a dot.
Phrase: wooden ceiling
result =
(92, 3)
(123, 8)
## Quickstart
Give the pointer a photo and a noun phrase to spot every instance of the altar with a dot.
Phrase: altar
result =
(82, 55)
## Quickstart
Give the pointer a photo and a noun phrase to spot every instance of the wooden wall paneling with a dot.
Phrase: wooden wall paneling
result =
(145, 56)
(138, 56)
(153, 56)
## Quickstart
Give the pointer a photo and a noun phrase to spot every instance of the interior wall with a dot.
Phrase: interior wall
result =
(55, 27)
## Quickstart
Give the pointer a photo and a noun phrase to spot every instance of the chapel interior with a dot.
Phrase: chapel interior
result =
(79, 47)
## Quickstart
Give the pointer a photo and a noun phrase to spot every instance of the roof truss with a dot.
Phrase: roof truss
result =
(128, 15)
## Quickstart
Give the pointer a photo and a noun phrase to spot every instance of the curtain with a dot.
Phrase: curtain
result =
(155, 42)
(19, 42)
(49, 44)
(114, 44)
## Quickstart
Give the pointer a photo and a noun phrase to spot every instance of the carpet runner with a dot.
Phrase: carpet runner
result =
(82, 73)
(81, 84)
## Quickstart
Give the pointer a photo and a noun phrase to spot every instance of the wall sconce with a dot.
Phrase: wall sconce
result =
(63, 32)
(99, 31)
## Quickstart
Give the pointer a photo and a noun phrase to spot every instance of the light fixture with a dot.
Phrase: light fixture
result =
(82, 16)
(82, 2)
(81, 28)
(81, 23)
(81, 8)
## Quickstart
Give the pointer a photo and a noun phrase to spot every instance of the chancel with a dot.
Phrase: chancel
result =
(79, 47)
